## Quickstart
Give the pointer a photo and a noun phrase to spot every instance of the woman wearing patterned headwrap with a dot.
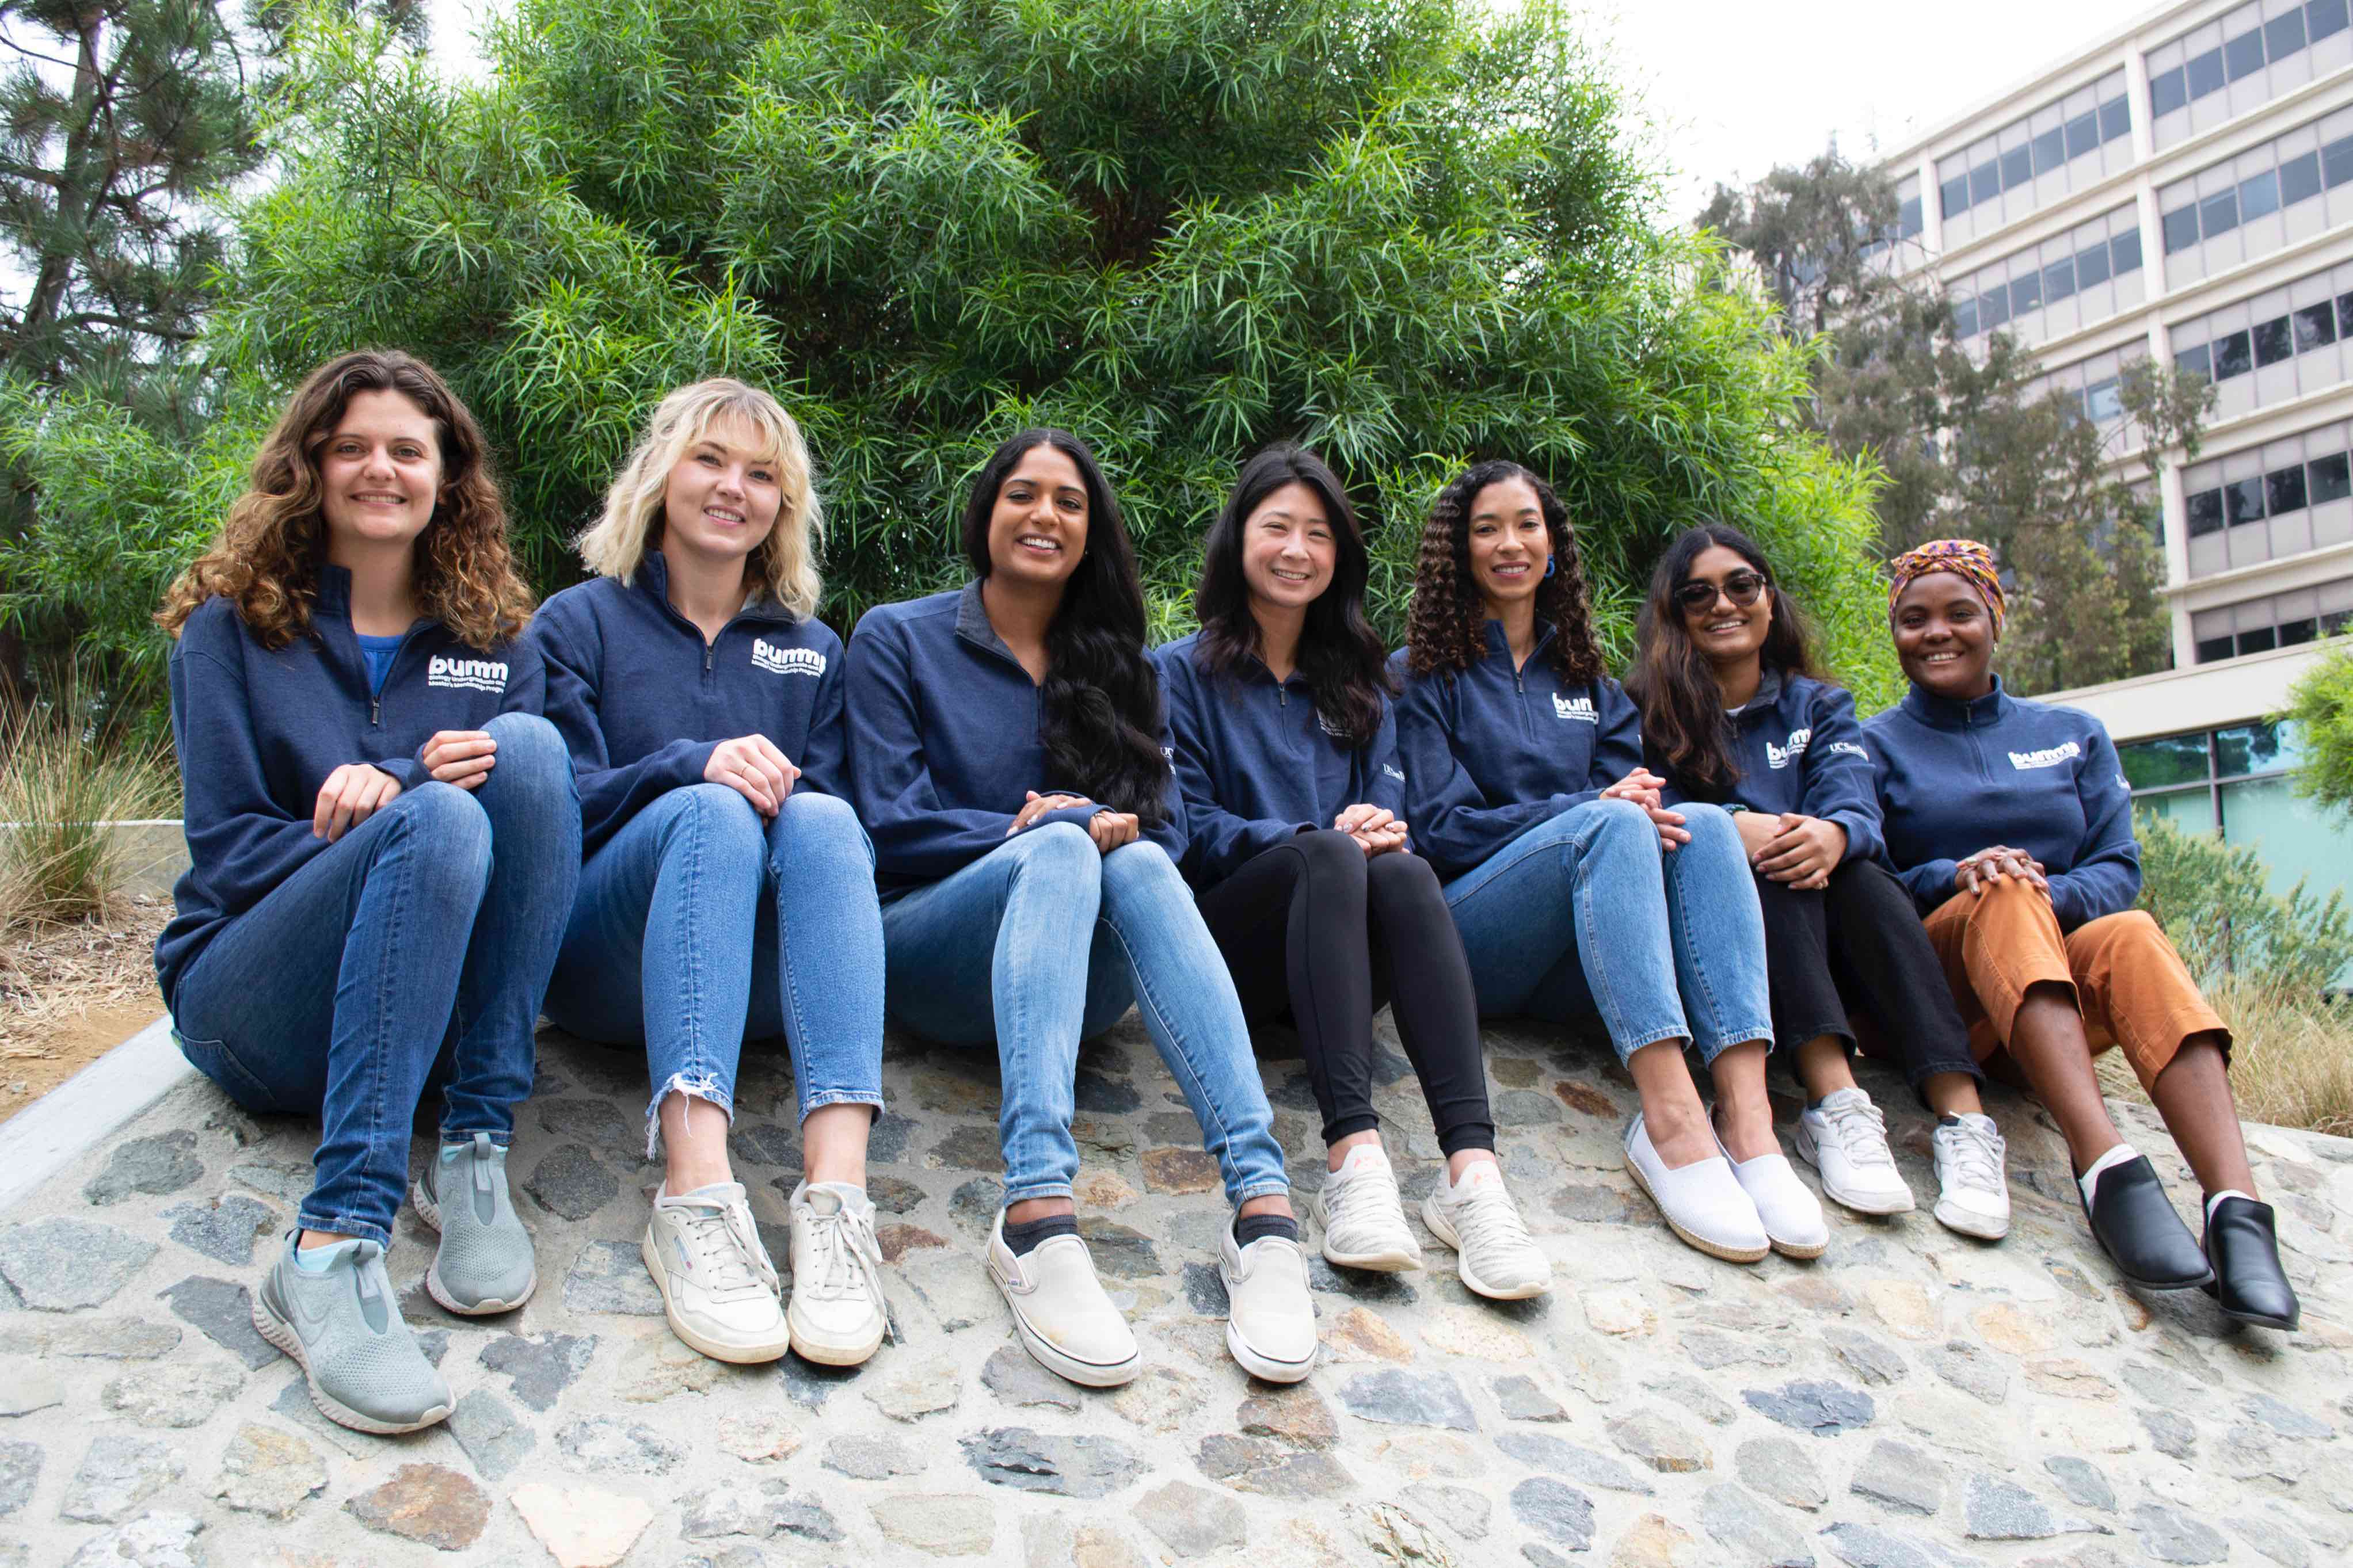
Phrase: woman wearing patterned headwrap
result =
(2012, 823)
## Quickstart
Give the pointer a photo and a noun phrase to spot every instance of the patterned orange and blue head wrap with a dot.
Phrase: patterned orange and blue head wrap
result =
(1962, 557)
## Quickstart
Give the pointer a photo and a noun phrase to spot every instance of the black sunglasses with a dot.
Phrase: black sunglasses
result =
(1741, 588)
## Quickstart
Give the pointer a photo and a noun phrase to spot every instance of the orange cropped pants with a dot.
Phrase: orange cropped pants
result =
(2127, 981)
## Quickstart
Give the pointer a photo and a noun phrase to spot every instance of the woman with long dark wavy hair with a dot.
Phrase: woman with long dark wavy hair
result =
(1007, 748)
(383, 839)
(1574, 890)
(1286, 754)
(1735, 713)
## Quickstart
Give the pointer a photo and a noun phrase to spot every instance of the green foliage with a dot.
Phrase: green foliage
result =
(1970, 440)
(2214, 901)
(1407, 232)
(2321, 704)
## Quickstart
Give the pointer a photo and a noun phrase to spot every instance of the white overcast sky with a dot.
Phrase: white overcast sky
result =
(1738, 86)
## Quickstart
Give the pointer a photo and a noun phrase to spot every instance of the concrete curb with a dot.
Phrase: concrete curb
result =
(68, 1120)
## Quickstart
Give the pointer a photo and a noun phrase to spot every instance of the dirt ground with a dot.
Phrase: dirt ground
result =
(71, 993)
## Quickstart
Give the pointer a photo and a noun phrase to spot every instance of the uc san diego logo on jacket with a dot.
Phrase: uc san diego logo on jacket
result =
(2048, 757)
(776, 661)
(1577, 708)
(467, 674)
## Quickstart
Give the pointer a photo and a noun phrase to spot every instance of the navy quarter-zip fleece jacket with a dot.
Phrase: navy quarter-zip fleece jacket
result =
(258, 729)
(1493, 752)
(1256, 765)
(642, 700)
(1799, 749)
(1954, 777)
(944, 740)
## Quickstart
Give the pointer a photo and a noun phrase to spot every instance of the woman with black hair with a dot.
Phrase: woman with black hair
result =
(1007, 749)
(1286, 754)
(1735, 713)
(1574, 890)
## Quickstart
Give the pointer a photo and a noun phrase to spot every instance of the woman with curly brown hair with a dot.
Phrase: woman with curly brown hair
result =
(357, 729)
(1575, 891)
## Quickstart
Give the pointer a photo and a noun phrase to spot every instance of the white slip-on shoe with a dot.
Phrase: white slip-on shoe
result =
(1703, 1203)
(718, 1285)
(836, 1312)
(1494, 1254)
(1363, 1218)
(1845, 1139)
(1065, 1321)
(1792, 1215)
(1270, 1318)
(1973, 1194)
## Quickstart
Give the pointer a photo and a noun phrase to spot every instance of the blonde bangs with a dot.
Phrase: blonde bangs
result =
(784, 567)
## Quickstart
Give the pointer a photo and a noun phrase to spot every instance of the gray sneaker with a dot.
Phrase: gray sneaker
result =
(484, 1263)
(343, 1328)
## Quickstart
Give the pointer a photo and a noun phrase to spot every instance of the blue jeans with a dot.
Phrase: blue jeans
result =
(699, 922)
(987, 954)
(1578, 915)
(428, 929)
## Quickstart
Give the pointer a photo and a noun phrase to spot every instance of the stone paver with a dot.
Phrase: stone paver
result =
(1911, 1398)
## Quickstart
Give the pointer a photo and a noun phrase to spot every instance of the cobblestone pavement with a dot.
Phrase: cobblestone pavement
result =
(1911, 1400)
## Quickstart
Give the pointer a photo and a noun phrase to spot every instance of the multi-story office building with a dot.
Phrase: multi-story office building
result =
(2182, 190)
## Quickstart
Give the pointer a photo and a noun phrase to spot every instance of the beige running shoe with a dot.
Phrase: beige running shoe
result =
(1363, 1218)
(1494, 1254)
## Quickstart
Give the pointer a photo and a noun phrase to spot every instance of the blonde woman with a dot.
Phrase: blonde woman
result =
(383, 841)
(728, 883)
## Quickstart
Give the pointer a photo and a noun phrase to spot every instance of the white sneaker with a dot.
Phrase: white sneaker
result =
(1270, 1319)
(1703, 1203)
(1494, 1254)
(1059, 1309)
(836, 1313)
(1363, 1216)
(718, 1285)
(1845, 1139)
(1973, 1195)
(1791, 1213)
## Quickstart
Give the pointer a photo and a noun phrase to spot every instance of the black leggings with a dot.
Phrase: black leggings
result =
(1860, 933)
(1314, 929)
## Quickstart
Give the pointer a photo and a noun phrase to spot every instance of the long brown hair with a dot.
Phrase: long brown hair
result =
(1338, 653)
(1683, 723)
(1446, 631)
(268, 555)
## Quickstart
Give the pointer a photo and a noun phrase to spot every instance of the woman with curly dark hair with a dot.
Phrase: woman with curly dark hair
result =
(1574, 890)
(358, 731)
(1008, 754)
(1735, 713)
(1287, 754)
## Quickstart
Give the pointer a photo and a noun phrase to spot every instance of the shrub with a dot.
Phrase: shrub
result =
(2214, 901)
(64, 774)
(2321, 703)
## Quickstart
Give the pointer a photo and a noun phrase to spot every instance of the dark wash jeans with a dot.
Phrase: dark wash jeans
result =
(430, 928)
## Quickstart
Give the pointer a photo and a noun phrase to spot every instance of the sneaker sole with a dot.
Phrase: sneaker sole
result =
(1085, 1373)
(1265, 1368)
(753, 1355)
(1691, 1239)
(1794, 1249)
(430, 1212)
(281, 1333)
(810, 1347)
(1390, 1262)
(1435, 1218)
(1976, 1226)
(1876, 1208)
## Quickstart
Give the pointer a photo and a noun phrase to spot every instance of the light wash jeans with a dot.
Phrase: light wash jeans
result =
(1578, 915)
(989, 954)
(425, 932)
(697, 921)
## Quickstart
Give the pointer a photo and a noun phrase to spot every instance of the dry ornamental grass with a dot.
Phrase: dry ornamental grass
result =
(2291, 1059)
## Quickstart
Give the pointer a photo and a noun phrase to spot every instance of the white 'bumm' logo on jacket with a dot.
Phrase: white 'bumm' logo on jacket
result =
(467, 674)
(767, 655)
(1782, 756)
(2049, 757)
(1577, 708)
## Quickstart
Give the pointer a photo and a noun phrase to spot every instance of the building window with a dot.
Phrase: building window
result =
(2293, 331)
(2276, 620)
(2084, 276)
(2203, 77)
(2065, 140)
(2281, 176)
(2283, 497)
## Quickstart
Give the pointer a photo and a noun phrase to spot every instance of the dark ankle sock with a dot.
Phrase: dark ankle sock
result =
(1023, 1238)
(1948, 1120)
(1257, 1226)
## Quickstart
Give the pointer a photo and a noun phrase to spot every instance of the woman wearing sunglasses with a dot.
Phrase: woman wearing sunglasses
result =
(1735, 713)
